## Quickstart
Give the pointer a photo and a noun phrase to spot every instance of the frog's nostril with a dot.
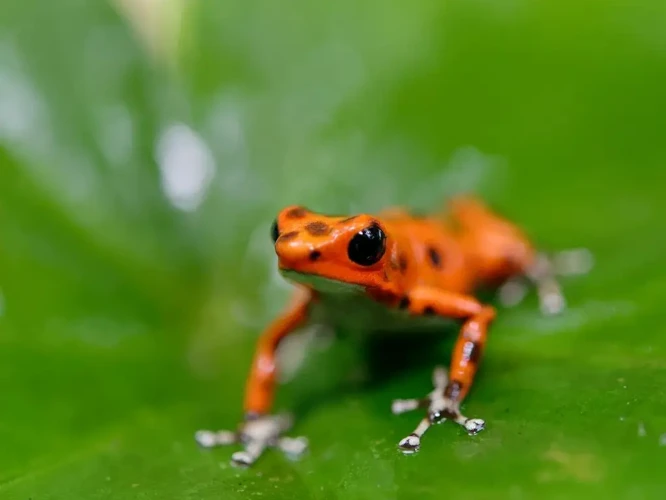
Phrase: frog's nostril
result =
(314, 255)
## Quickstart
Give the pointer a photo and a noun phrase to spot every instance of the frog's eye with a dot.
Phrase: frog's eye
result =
(367, 247)
(275, 232)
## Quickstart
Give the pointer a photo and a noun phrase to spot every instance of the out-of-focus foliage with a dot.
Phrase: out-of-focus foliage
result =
(137, 186)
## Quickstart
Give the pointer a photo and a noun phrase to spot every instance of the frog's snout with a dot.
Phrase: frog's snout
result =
(291, 254)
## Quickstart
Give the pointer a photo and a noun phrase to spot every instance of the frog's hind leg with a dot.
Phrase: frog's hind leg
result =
(496, 247)
(503, 253)
(543, 274)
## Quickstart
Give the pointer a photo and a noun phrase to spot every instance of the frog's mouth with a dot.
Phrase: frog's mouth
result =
(319, 283)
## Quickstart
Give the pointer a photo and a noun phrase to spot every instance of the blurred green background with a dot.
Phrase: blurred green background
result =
(144, 150)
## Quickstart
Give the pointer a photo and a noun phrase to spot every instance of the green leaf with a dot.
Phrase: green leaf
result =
(130, 303)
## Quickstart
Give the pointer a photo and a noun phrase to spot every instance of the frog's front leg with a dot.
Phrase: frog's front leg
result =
(444, 401)
(260, 430)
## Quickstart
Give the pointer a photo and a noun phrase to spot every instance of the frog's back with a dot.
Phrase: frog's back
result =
(430, 251)
(461, 248)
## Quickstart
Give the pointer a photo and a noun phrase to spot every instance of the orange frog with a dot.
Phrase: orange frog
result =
(393, 271)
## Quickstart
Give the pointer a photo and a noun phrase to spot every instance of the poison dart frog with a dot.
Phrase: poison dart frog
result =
(395, 270)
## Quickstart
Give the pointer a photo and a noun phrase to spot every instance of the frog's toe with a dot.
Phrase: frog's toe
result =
(474, 425)
(210, 439)
(399, 406)
(294, 447)
(512, 292)
(410, 444)
(573, 262)
(256, 434)
(242, 459)
(551, 302)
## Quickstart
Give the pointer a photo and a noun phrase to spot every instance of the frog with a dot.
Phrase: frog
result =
(396, 270)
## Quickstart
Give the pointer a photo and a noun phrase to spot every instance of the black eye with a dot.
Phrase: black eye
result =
(367, 247)
(275, 232)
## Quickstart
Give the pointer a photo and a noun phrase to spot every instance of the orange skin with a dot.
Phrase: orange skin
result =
(431, 267)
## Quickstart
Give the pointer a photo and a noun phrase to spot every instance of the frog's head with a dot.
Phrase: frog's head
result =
(331, 253)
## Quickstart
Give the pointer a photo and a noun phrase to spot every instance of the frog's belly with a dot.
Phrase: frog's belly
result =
(356, 313)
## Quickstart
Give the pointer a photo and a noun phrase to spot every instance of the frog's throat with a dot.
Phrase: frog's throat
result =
(320, 283)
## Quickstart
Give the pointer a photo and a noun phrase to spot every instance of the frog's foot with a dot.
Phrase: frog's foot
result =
(543, 276)
(255, 434)
(439, 408)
